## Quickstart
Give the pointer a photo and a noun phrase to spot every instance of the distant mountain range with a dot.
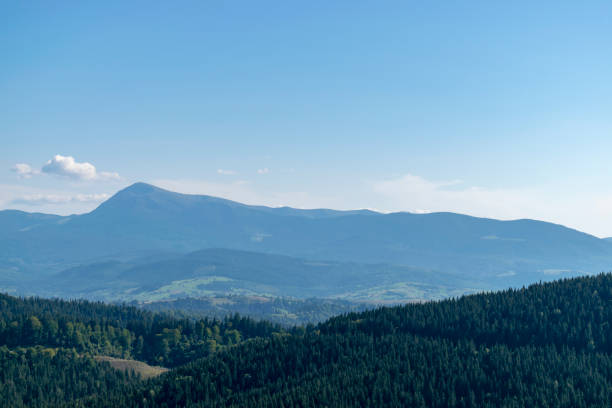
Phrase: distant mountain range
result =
(145, 236)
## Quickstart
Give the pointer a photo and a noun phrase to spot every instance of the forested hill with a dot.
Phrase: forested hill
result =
(549, 345)
(48, 348)
(119, 331)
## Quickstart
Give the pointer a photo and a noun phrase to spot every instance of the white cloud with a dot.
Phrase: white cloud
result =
(38, 199)
(263, 171)
(413, 193)
(24, 170)
(69, 199)
(66, 166)
(108, 175)
(226, 172)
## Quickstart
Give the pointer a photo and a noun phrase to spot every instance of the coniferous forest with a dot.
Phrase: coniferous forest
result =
(548, 345)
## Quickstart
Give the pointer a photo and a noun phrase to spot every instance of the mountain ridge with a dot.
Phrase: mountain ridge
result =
(141, 189)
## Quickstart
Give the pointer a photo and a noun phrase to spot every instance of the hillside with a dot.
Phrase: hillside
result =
(546, 345)
(94, 328)
(56, 353)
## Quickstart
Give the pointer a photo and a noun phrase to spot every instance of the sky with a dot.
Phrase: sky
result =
(493, 109)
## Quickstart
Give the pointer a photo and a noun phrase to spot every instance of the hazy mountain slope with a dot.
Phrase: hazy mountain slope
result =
(14, 220)
(223, 271)
(15, 264)
(15, 224)
(146, 218)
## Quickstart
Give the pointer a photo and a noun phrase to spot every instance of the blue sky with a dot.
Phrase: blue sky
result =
(485, 108)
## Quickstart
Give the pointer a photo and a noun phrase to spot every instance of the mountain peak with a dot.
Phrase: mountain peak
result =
(140, 188)
(135, 197)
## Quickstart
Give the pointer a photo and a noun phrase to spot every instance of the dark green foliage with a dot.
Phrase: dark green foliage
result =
(120, 331)
(47, 348)
(575, 313)
(392, 370)
(44, 377)
(285, 311)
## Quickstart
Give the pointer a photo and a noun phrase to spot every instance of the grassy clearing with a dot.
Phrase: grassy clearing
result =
(145, 370)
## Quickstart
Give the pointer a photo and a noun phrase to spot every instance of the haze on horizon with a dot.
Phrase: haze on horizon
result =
(492, 110)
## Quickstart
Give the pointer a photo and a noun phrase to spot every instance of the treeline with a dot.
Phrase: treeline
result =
(285, 311)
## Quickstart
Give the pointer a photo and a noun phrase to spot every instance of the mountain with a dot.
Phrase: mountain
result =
(143, 220)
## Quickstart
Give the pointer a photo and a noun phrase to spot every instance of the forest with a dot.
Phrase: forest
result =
(547, 345)
(281, 310)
